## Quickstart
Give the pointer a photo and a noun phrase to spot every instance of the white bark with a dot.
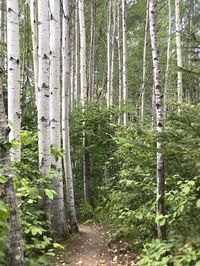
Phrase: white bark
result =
(43, 89)
(34, 29)
(77, 57)
(119, 44)
(92, 52)
(83, 75)
(84, 94)
(14, 243)
(159, 113)
(124, 56)
(65, 118)
(108, 93)
(58, 212)
(144, 63)
(13, 55)
(113, 39)
(168, 55)
(179, 52)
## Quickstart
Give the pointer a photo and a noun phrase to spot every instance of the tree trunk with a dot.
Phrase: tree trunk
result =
(65, 118)
(15, 253)
(144, 63)
(84, 98)
(119, 44)
(179, 52)
(77, 56)
(91, 82)
(108, 94)
(34, 28)
(159, 114)
(13, 55)
(58, 219)
(113, 39)
(124, 56)
(43, 93)
(168, 55)
(83, 75)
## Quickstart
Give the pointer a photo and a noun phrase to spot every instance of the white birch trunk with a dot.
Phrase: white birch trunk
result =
(58, 219)
(179, 52)
(159, 114)
(108, 93)
(124, 56)
(7, 191)
(34, 29)
(84, 96)
(83, 73)
(13, 57)
(65, 118)
(92, 52)
(43, 94)
(119, 44)
(144, 63)
(168, 55)
(77, 57)
(113, 39)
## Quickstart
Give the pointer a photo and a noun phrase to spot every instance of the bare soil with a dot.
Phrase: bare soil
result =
(89, 248)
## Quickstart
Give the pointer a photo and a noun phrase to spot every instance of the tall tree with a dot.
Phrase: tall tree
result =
(58, 213)
(34, 28)
(124, 60)
(144, 62)
(13, 55)
(77, 56)
(159, 113)
(43, 91)
(119, 47)
(65, 117)
(14, 243)
(168, 55)
(113, 41)
(179, 52)
(91, 81)
(109, 34)
(84, 98)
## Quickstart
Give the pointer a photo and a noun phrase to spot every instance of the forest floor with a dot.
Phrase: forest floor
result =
(90, 248)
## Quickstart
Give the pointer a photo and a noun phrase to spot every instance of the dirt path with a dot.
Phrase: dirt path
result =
(89, 248)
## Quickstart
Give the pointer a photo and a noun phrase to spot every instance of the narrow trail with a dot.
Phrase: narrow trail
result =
(89, 248)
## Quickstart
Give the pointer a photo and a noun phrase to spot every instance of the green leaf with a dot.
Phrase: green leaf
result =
(59, 246)
(198, 203)
(50, 193)
(4, 213)
(3, 179)
(186, 190)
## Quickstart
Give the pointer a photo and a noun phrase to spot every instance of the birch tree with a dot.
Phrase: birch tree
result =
(144, 62)
(113, 40)
(55, 114)
(109, 34)
(92, 52)
(124, 60)
(15, 253)
(83, 75)
(65, 118)
(179, 52)
(13, 57)
(77, 56)
(119, 47)
(84, 98)
(34, 29)
(168, 55)
(43, 91)
(159, 113)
